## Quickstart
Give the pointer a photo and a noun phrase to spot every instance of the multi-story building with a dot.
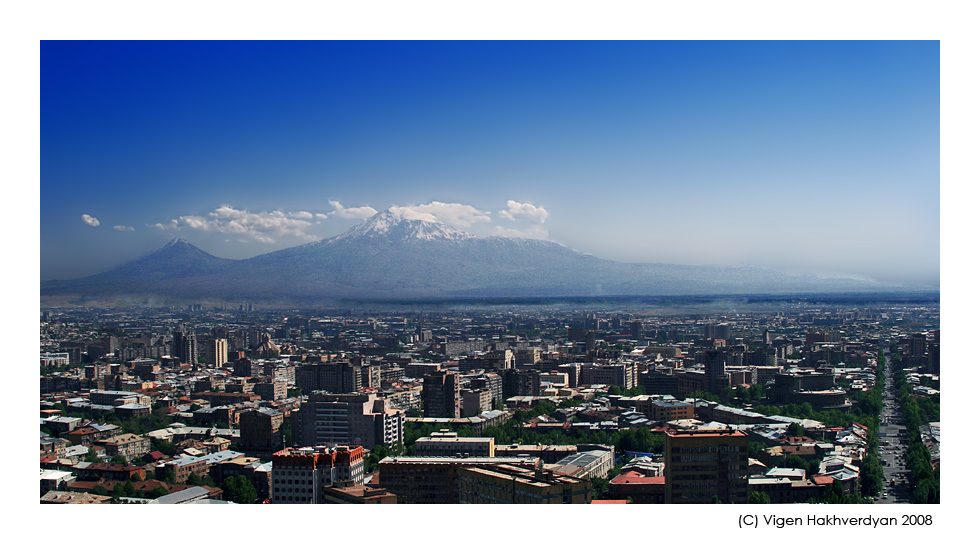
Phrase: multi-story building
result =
(660, 409)
(128, 445)
(118, 398)
(638, 487)
(589, 461)
(355, 418)
(330, 377)
(183, 467)
(435, 480)
(714, 370)
(504, 484)
(702, 465)
(521, 383)
(817, 388)
(721, 331)
(185, 346)
(548, 453)
(529, 357)
(619, 374)
(261, 432)
(475, 401)
(216, 355)
(370, 375)
(92, 433)
(357, 494)
(300, 474)
(403, 398)
(499, 360)
(271, 390)
(440, 394)
(448, 444)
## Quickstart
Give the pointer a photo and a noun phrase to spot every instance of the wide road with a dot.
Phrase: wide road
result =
(892, 444)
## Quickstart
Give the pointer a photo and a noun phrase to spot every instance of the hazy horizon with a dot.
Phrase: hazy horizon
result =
(816, 156)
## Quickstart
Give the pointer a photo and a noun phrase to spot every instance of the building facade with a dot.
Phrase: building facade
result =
(300, 474)
(702, 465)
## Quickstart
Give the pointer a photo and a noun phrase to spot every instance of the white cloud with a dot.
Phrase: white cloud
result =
(534, 231)
(266, 227)
(170, 225)
(362, 212)
(523, 209)
(321, 216)
(123, 227)
(89, 220)
(451, 213)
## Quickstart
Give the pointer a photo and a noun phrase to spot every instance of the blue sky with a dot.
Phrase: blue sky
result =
(821, 156)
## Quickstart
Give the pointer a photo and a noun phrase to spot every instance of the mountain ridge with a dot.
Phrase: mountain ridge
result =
(395, 254)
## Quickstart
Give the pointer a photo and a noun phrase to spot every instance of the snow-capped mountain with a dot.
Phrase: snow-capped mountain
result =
(398, 254)
(401, 224)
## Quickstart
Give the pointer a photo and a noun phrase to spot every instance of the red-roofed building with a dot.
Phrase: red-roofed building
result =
(641, 489)
(611, 502)
(154, 456)
(822, 479)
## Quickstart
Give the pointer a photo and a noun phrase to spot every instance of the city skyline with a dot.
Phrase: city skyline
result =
(815, 155)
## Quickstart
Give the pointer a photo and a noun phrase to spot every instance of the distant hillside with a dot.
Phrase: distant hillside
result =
(391, 256)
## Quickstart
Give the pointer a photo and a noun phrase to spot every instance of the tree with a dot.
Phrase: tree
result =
(239, 489)
(194, 479)
(157, 492)
(118, 460)
(168, 476)
(600, 488)
(759, 497)
(125, 490)
(91, 456)
(795, 429)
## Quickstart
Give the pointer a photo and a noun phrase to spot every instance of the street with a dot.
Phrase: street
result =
(892, 444)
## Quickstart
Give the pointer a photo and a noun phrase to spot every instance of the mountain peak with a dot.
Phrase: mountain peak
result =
(177, 242)
(399, 223)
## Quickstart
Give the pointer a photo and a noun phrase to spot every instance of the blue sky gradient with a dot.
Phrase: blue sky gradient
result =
(822, 156)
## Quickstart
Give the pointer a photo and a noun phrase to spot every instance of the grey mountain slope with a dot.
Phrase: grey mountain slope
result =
(394, 256)
(175, 265)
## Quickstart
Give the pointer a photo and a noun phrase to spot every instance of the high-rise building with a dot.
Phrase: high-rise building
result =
(261, 432)
(475, 401)
(636, 330)
(521, 383)
(356, 418)
(185, 345)
(721, 331)
(917, 345)
(217, 353)
(704, 465)
(528, 357)
(500, 360)
(714, 370)
(441, 394)
(331, 377)
(619, 374)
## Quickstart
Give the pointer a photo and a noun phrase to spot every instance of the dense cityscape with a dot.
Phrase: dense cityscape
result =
(733, 402)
